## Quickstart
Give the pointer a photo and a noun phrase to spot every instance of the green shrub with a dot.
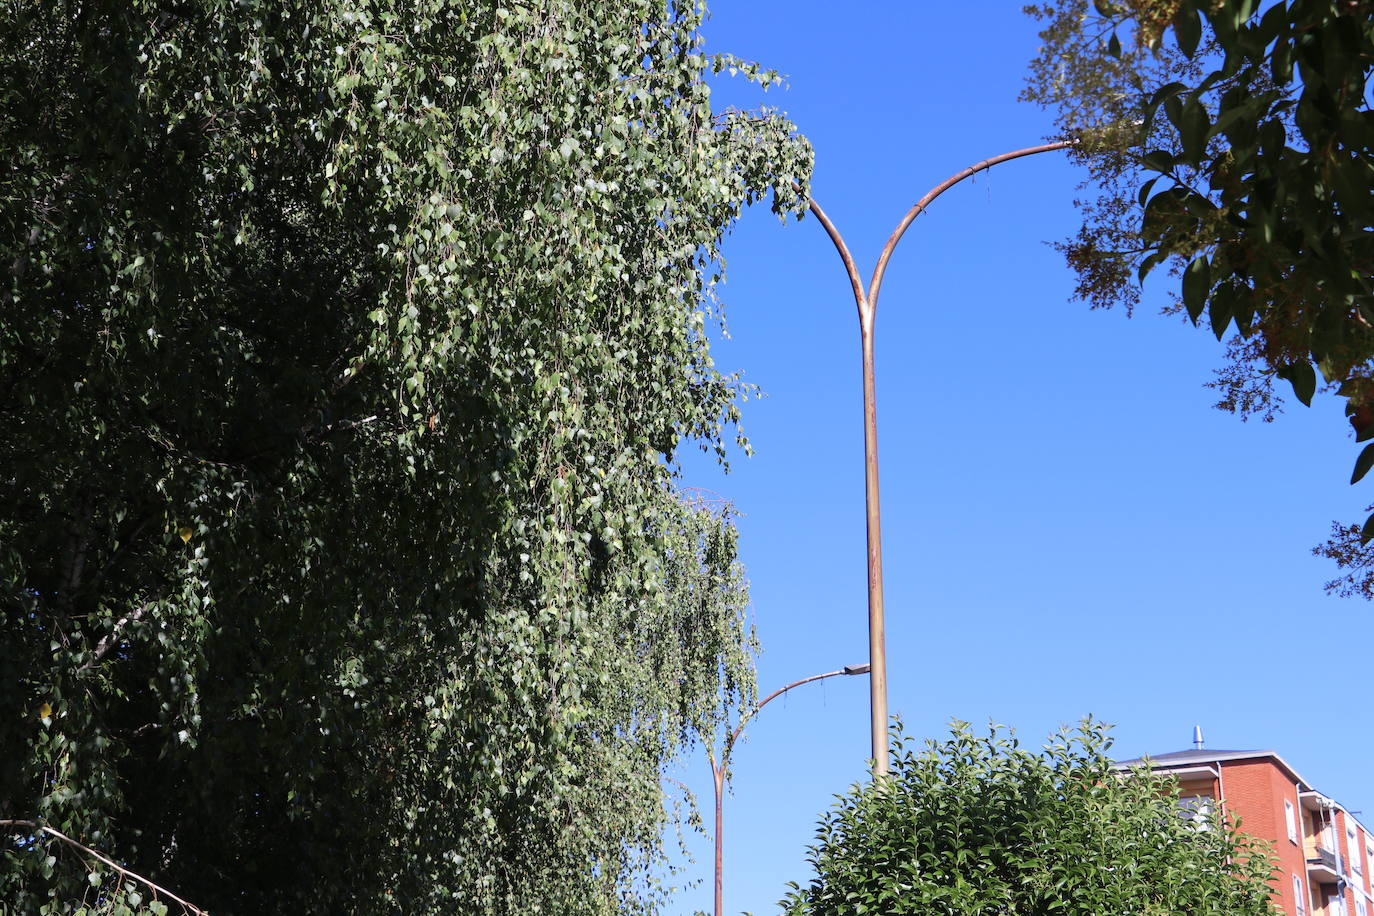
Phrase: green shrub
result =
(980, 825)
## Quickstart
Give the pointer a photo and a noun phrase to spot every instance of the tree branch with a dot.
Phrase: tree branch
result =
(107, 642)
(43, 828)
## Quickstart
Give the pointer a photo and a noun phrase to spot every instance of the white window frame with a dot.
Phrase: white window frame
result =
(1290, 817)
(1352, 846)
(1299, 895)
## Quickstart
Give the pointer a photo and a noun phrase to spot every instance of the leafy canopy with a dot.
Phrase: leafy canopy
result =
(978, 825)
(345, 352)
(1231, 141)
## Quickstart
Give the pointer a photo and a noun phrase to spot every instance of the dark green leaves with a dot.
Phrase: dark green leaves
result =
(1256, 115)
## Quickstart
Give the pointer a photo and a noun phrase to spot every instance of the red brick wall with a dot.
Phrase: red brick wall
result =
(1254, 792)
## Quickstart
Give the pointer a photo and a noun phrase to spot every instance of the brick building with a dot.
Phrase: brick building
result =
(1324, 854)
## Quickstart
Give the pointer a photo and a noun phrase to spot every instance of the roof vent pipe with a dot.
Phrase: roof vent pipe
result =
(1197, 737)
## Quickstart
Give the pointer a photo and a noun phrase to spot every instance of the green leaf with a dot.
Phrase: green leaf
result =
(1363, 463)
(1273, 23)
(1167, 91)
(1197, 281)
(1367, 532)
(1187, 27)
(1149, 263)
(1303, 378)
(1160, 160)
(1145, 189)
(1193, 128)
(1241, 10)
(1161, 211)
(1219, 315)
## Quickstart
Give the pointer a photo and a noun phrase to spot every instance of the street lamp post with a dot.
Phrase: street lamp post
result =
(718, 771)
(867, 303)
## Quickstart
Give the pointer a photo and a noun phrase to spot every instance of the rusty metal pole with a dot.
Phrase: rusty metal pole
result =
(877, 644)
(877, 637)
(718, 772)
(867, 304)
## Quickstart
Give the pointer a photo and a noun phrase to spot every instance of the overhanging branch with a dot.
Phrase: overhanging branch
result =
(157, 889)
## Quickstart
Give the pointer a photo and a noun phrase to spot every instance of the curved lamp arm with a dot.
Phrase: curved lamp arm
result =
(855, 281)
(876, 283)
(748, 717)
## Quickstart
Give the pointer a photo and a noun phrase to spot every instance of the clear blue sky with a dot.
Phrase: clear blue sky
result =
(1070, 528)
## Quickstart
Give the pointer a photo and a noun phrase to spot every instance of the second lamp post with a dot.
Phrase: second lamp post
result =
(720, 770)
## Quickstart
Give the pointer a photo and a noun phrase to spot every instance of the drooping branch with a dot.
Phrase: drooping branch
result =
(157, 889)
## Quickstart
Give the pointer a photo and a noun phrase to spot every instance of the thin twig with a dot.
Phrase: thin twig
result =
(43, 828)
(348, 424)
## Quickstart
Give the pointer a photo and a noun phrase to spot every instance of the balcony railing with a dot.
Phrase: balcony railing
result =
(1325, 866)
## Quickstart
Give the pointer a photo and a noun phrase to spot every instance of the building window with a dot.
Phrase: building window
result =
(1360, 908)
(1298, 896)
(1290, 818)
(1352, 845)
(1197, 810)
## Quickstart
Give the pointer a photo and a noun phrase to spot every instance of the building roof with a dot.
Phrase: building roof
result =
(1194, 757)
(1182, 760)
(1178, 758)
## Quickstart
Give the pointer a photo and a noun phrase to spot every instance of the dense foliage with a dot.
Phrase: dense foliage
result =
(1231, 141)
(977, 826)
(344, 354)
